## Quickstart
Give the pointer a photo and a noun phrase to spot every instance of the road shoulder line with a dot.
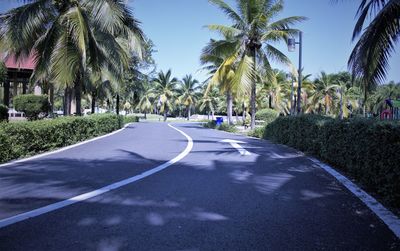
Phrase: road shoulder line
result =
(58, 205)
(391, 220)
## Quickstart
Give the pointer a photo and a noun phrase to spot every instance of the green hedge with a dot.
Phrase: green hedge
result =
(131, 119)
(267, 115)
(28, 138)
(368, 150)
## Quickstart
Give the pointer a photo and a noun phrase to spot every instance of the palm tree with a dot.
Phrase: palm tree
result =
(165, 89)
(214, 54)
(145, 102)
(324, 93)
(67, 36)
(209, 102)
(253, 26)
(369, 59)
(189, 92)
(384, 92)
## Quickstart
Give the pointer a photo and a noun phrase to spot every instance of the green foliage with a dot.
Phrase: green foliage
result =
(3, 113)
(131, 119)
(29, 138)
(32, 105)
(257, 132)
(366, 149)
(223, 127)
(267, 115)
(211, 124)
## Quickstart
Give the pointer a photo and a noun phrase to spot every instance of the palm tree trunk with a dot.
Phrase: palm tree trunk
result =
(67, 101)
(78, 93)
(145, 115)
(189, 110)
(229, 102)
(341, 104)
(253, 91)
(51, 99)
(165, 115)
(93, 102)
(117, 108)
(270, 101)
(208, 115)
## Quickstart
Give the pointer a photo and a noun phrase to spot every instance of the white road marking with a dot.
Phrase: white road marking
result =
(86, 196)
(235, 144)
(62, 149)
(391, 220)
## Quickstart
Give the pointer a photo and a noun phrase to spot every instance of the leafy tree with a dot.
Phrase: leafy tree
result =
(254, 26)
(145, 102)
(214, 54)
(324, 93)
(189, 91)
(369, 59)
(209, 102)
(165, 89)
(66, 37)
(32, 105)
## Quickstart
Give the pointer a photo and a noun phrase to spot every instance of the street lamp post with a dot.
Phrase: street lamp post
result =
(292, 47)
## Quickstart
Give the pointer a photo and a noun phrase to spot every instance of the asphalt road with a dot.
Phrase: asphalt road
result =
(213, 199)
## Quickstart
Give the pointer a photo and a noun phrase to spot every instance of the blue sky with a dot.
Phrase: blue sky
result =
(177, 29)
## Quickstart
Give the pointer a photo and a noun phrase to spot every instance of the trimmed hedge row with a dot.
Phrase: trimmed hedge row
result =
(28, 138)
(368, 150)
(131, 119)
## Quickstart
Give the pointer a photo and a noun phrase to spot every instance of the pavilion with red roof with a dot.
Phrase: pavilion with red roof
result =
(18, 75)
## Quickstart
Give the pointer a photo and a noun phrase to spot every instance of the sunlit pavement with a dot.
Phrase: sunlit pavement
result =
(214, 199)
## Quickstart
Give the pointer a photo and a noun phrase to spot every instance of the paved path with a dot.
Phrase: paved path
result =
(213, 199)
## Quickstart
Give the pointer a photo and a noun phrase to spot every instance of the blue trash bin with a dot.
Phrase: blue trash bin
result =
(219, 120)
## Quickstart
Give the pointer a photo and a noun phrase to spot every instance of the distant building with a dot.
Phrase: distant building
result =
(18, 75)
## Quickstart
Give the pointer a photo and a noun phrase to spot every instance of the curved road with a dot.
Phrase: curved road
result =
(213, 199)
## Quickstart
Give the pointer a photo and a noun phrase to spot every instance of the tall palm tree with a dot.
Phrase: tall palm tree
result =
(209, 102)
(324, 93)
(67, 36)
(145, 102)
(254, 27)
(165, 89)
(369, 59)
(348, 97)
(214, 55)
(189, 91)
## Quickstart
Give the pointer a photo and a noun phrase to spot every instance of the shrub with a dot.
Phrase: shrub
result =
(211, 124)
(3, 113)
(32, 105)
(28, 138)
(131, 119)
(257, 132)
(368, 150)
(227, 128)
(267, 115)
(223, 127)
